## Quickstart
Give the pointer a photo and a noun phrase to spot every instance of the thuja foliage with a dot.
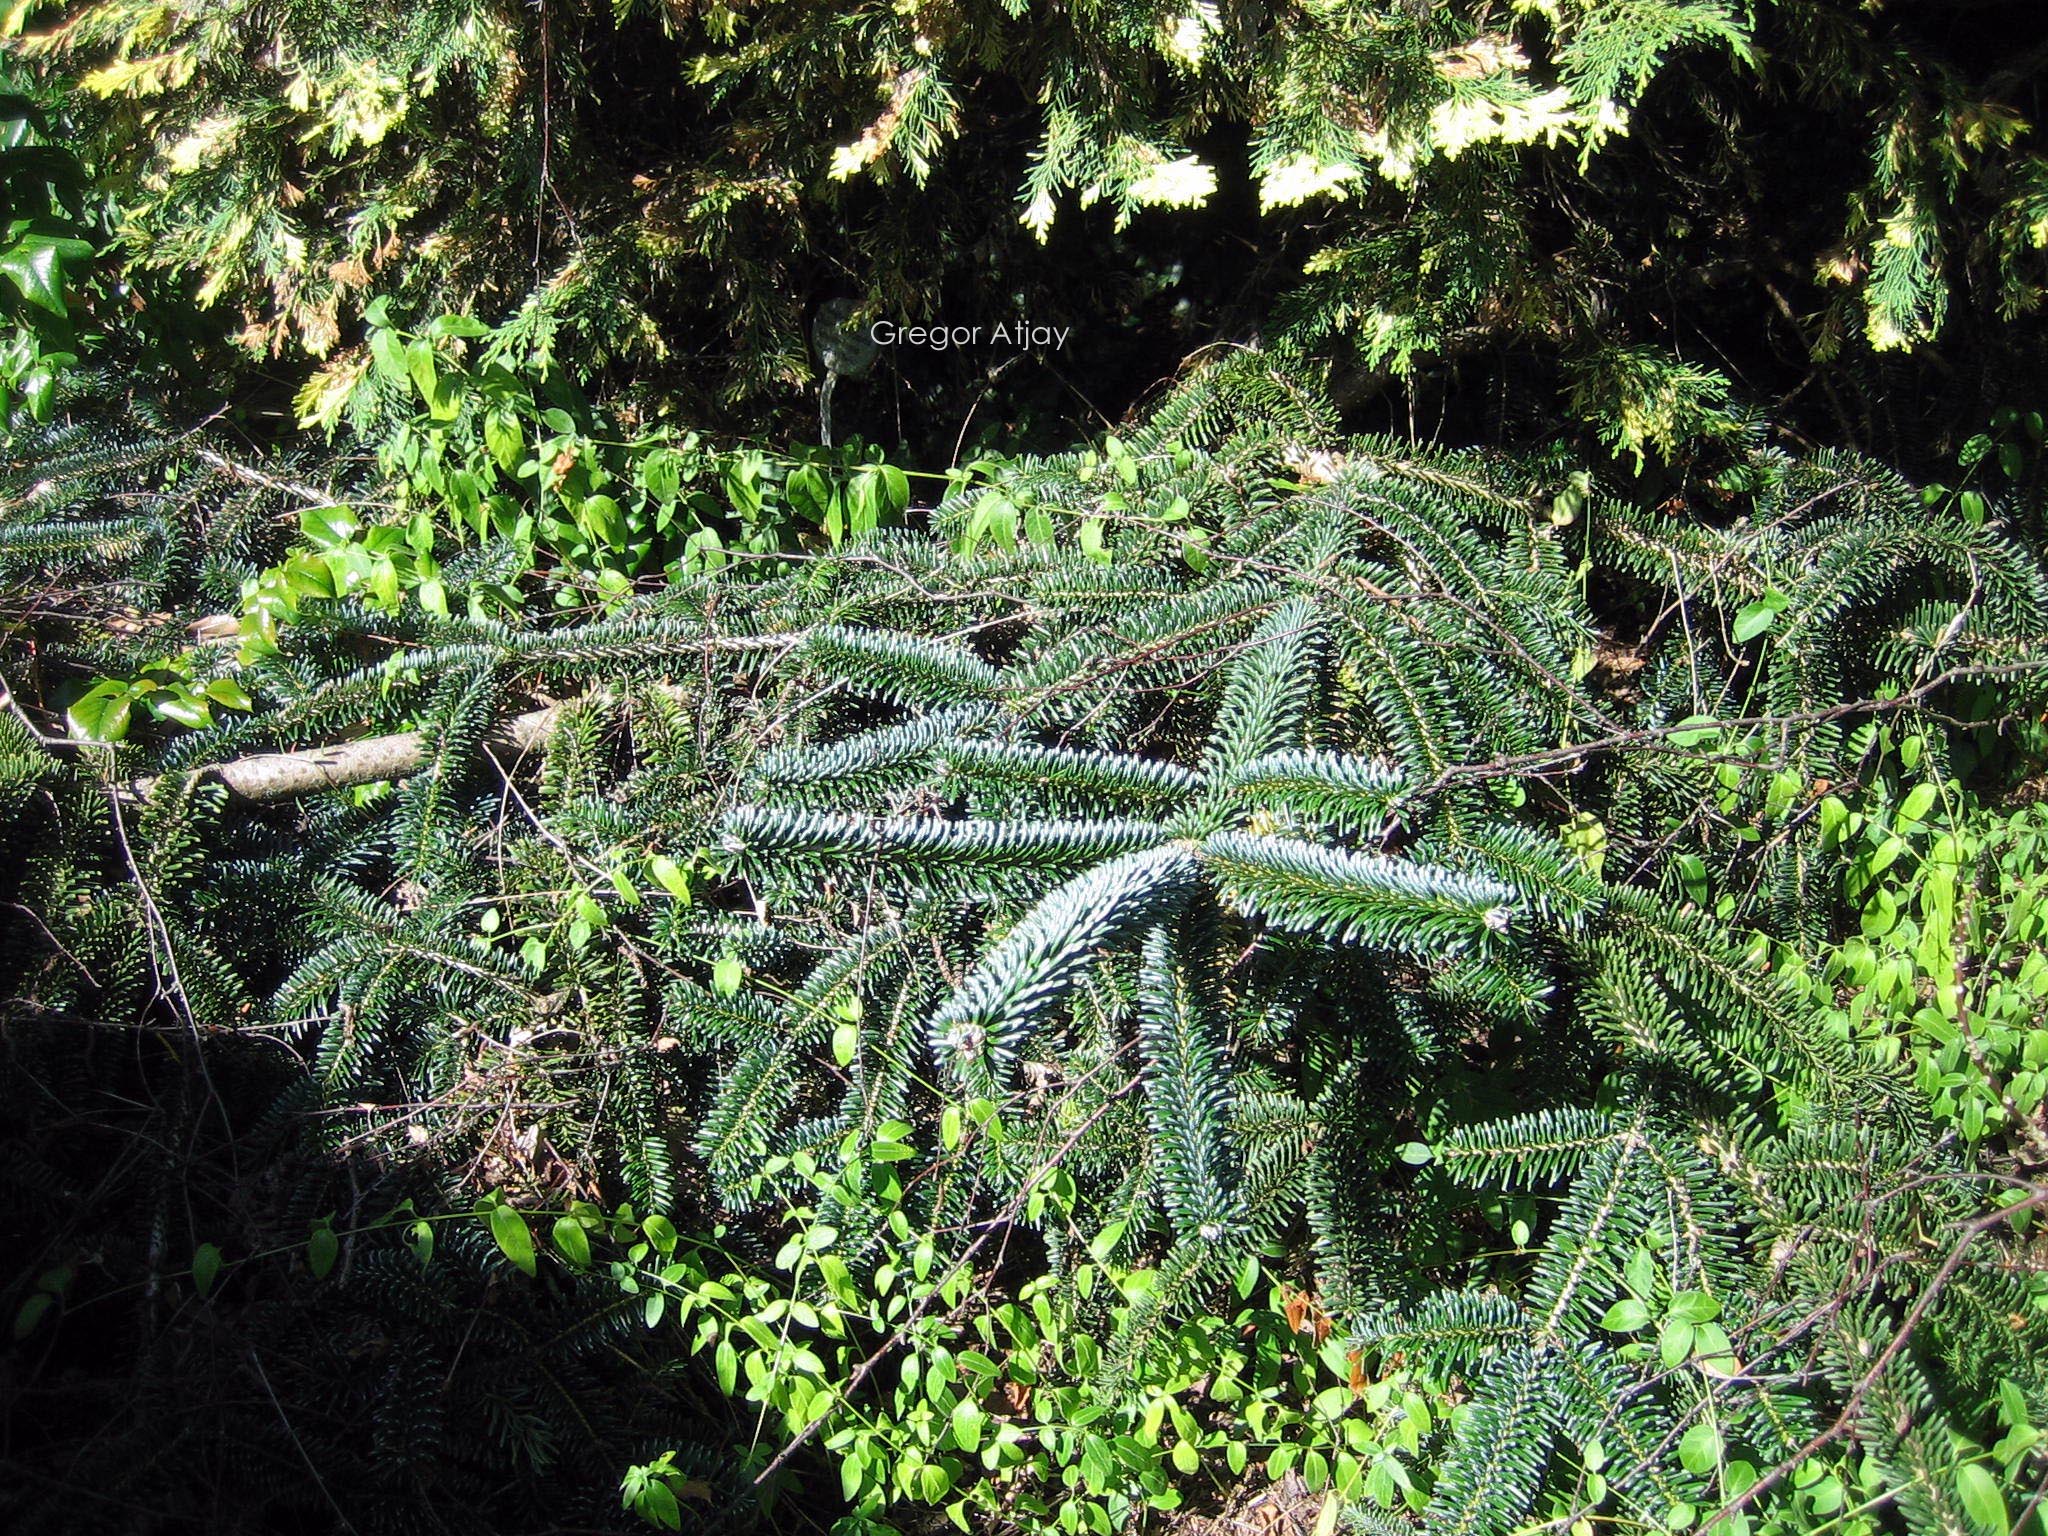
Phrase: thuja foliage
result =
(1206, 963)
(1826, 184)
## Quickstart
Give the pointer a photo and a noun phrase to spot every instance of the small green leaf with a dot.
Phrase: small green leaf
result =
(1699, 1450)
(602, 519)
(1757, 617)
(726, 1361)
(503, 440)
(31, 1313)
(1248, 1276)
(1694, 1307)
(420, 364)
(387, 354)
(852, 1473)
(572, 1241)
(34, 263)
(1106, 1241)
(1674, 1342)
(1626, 1316)
(310, 575)
(669, 876)
(895, 489)
(205, 1268)
(329, 527)
(322, 1248)
(661, 474)
(658, 1505)
(1983, 1500)
(102, 713)
(457, 325)
(514, 1238)
(967, 1420)
(180, 708)
(726, 975)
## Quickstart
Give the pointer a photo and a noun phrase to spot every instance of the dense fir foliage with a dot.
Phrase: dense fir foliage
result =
(573, 961)
(1184, 818)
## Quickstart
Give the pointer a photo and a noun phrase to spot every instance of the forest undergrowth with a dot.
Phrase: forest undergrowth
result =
(1133, 942)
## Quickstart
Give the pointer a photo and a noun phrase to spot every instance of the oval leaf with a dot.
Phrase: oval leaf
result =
(1983, 1500)
(573, 1241)
(322, 1248)
(514, 1238)
(205, 1268)
(1626, 1316)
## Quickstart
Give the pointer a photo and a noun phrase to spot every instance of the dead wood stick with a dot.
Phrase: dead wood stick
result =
(267, 776)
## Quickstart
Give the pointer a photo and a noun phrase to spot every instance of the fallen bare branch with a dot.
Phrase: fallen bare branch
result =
(267, 776)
